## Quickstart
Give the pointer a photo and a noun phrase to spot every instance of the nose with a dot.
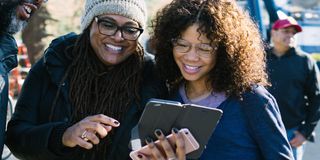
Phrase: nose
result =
(192, 55)
(118, 36)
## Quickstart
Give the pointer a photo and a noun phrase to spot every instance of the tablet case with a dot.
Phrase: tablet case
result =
(164, 115)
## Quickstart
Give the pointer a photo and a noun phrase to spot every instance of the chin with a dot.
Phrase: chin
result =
(190, 78)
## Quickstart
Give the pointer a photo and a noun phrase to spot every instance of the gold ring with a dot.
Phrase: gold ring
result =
(84, 135)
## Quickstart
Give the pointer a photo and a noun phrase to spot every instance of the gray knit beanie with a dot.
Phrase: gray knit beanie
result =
(133, 9)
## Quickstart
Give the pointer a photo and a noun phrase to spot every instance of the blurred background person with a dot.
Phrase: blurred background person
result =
(14, 17)
(295, 84)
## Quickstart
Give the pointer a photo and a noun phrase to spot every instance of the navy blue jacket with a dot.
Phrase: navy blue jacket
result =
(31, 135)
(294, 76)
(251, 129)
(8, 60)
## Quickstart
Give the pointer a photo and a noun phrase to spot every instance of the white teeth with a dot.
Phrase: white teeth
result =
(28, 9)
(191, 67)
(116, 48)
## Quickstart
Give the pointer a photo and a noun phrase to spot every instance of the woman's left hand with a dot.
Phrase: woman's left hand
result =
(165, 150)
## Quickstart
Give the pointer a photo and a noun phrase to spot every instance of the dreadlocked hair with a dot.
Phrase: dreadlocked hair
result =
(99, 89)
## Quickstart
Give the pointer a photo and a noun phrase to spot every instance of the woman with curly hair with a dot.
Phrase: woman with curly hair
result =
(210, 53)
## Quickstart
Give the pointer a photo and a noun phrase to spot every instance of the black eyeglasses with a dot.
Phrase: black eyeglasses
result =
(43, 1)
(202, 49)
(110, 29)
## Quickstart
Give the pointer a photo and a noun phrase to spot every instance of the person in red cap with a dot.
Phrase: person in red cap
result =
(295, 84)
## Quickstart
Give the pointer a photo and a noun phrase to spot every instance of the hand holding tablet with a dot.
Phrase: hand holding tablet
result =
(189, 141)
(198, 121)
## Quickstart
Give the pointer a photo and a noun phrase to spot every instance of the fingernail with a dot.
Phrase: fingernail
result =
(149, 140)
(175, 130)
(116, 122)
(140, 156)
(158, 132)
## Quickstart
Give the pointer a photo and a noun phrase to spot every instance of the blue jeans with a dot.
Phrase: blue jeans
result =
(297, 151)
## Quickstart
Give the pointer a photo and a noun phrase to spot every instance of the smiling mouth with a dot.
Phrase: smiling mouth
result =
(191, 69)
(113, 48)
(27, 9)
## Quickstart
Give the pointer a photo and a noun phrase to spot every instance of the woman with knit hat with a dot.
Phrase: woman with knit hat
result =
(81, 100)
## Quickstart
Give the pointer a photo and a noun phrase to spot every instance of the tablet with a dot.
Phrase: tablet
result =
(164, 115)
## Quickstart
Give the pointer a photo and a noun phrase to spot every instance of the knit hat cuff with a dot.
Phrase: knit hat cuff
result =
(127, 10)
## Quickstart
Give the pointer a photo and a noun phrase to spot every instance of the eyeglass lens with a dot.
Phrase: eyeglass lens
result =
(184, 46)
(109, 28)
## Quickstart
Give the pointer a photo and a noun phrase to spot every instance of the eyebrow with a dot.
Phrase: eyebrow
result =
(131, 23)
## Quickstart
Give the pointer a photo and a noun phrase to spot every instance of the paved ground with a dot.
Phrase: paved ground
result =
(313, 149)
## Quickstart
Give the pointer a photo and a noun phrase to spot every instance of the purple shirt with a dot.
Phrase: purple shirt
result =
(212, 99)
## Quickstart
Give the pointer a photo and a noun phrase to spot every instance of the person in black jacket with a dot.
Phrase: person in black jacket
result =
(295, 84)
(14, 16)
(83, 97)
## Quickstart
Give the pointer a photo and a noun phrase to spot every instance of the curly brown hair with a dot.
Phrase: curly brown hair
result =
(240, 53)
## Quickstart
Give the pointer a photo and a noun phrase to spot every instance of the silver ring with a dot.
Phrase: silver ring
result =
(84, 135)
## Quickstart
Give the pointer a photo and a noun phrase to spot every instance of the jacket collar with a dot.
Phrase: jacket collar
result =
(58, 56)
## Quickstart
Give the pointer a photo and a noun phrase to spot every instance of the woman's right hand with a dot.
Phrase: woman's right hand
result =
(88, 131)
(165, 150)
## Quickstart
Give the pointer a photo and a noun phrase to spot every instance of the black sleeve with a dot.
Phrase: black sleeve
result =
(27, 138)
(266, 126)
(312, 91)
(55, 141)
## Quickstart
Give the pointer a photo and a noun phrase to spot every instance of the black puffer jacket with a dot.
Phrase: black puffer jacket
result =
(8, 60)
(31, 135)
